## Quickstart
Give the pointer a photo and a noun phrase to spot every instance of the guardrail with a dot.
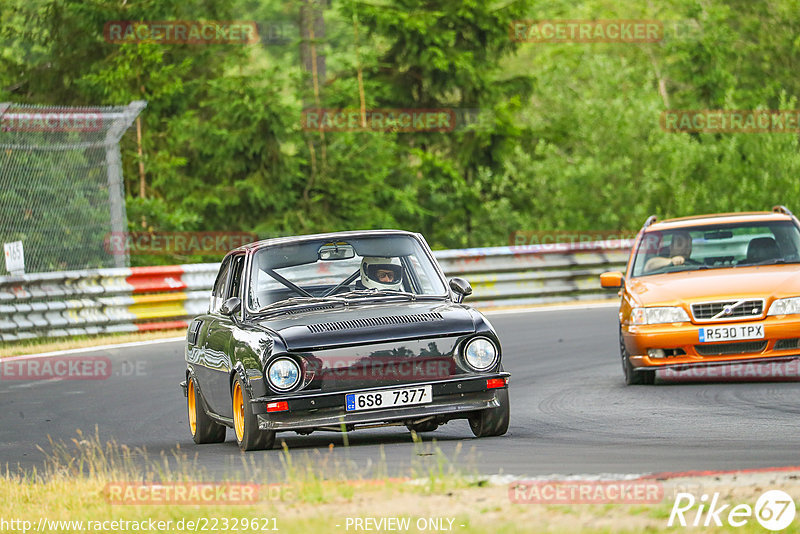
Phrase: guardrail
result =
(158, 298)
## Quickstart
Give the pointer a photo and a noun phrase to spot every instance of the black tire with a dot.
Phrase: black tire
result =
(633, 377)
(493, 421)
(245, 422)
(426, 426)
(202, 427)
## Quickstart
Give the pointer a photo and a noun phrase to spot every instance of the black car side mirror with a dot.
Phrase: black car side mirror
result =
(461, 288)
(231, 306)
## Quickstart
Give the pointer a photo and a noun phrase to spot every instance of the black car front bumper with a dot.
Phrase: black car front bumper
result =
(455, 396)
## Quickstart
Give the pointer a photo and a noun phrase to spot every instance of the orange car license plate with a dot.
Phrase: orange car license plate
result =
(737, 332)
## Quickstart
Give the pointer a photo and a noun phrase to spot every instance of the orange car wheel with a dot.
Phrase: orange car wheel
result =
(202, 427)
(633, 377)
(245, 422)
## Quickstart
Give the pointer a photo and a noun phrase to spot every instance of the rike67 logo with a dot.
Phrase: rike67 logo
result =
(774, 510)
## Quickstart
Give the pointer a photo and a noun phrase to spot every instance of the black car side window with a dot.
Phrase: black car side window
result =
(236, 278)
(218, 293)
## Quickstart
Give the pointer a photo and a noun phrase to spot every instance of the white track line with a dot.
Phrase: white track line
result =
(34, 382)
(93, 349)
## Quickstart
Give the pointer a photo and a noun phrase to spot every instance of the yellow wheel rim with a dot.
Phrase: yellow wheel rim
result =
(192, 407)
(238, 412)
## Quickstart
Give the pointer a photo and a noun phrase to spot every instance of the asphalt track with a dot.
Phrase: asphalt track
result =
(570, 414)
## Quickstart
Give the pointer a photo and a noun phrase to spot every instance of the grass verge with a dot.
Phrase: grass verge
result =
(77, 490)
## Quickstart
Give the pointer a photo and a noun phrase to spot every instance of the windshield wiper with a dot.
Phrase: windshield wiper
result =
(776, 261)
(295, 301)
(378, 293)
(773, 261)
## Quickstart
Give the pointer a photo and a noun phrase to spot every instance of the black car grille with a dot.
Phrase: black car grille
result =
(718, 349)
(373, 322)
(738, 309)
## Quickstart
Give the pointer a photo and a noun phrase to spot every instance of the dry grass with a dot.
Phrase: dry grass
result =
(320, 492)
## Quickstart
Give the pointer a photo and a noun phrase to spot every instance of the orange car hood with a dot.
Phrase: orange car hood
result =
(716, 284)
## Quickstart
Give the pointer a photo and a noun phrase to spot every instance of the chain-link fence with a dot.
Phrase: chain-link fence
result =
(61, 189)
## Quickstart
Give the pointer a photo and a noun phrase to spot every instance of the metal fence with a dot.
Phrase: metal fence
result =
(61, 188)
(156, 298)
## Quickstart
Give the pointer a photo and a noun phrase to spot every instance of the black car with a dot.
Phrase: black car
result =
(338, 332)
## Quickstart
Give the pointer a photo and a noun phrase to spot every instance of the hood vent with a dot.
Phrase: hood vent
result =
(373, 322)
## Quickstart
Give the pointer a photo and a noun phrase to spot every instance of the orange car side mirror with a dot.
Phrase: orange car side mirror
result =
(612, 280)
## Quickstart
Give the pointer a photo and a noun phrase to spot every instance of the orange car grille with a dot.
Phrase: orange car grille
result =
(717, 349)
(786, 344)
(728, 309)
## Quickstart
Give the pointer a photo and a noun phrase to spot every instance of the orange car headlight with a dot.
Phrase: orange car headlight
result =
(785, 306)
(659, 315)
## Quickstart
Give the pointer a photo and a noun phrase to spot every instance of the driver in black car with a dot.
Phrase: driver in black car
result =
(381, 273)
(679, 251)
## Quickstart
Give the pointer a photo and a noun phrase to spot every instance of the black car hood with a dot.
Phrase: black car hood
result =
(370, 323)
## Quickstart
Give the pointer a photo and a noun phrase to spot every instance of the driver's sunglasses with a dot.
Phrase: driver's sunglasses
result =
(385, 276)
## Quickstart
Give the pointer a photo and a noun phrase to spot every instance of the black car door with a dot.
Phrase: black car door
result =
(217, 346)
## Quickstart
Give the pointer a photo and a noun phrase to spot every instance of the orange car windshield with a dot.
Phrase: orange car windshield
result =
(717, 246)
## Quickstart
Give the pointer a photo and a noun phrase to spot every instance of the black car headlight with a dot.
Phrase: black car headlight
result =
(283, 374)
(480, 353)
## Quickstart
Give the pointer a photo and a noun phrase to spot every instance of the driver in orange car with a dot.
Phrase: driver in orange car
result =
(679, 251)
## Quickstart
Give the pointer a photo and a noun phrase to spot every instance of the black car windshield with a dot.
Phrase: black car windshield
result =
(717, 246)
(342, 269)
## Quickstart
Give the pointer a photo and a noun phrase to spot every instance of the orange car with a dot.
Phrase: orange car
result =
(710, 290)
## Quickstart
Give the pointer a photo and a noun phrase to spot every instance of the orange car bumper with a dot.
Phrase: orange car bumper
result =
(682, 344)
